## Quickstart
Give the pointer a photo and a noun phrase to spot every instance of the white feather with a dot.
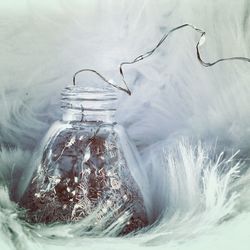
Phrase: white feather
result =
(44, 42)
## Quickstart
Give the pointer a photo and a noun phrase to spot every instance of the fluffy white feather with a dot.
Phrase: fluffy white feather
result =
(198, 192)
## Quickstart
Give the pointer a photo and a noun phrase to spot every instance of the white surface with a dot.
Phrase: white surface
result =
(44, 42)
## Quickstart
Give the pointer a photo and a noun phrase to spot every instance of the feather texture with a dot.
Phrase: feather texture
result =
(181, 115)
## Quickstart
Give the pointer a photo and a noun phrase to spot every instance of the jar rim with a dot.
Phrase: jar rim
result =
(88, 103)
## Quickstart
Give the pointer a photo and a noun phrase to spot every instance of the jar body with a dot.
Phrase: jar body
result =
(85, 168)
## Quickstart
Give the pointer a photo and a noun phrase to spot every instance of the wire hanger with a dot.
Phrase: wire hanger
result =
(149, 53)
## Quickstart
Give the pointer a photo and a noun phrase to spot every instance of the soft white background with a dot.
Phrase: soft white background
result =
(42, 43)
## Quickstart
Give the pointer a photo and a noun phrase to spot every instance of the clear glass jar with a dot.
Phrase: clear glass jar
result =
(88, 165)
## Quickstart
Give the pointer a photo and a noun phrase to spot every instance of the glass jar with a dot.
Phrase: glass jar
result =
(88, 165)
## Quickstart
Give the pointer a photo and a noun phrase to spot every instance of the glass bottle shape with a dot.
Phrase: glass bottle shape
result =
(88, 165)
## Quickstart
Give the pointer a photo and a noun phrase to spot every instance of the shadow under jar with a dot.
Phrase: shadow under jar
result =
(85, 166)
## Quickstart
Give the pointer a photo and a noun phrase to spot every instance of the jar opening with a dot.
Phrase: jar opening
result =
(88, 104)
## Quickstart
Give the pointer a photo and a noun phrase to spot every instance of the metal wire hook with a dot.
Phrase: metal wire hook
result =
(127, 90)
(149, 53)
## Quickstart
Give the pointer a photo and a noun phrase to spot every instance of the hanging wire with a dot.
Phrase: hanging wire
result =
(149, 53)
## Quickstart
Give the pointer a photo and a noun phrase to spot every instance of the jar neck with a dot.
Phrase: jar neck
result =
(89, 116)
(88, 104)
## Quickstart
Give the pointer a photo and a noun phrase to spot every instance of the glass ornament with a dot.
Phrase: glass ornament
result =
(87, 166)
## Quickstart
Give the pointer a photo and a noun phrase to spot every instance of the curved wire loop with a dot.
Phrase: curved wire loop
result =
(127, 90)
(149, 53)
